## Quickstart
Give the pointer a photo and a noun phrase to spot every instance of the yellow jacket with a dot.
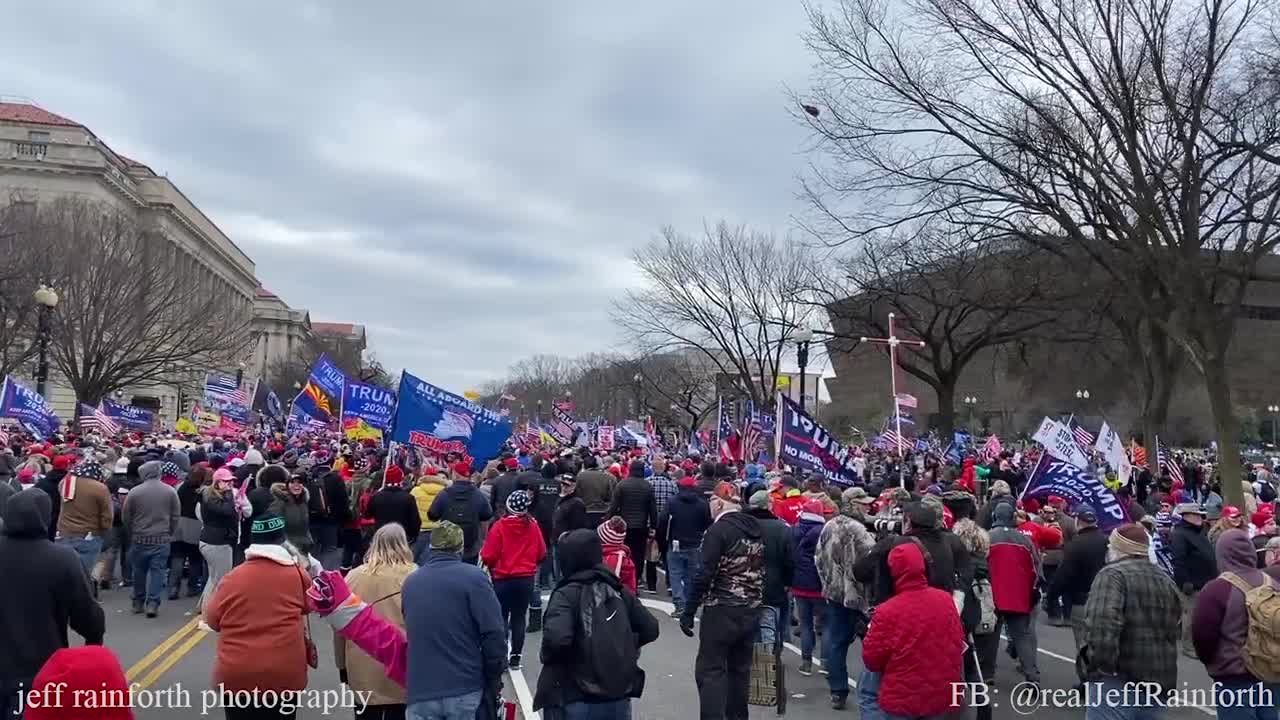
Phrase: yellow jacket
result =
(424, 493)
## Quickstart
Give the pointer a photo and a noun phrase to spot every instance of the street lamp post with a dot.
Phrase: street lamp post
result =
(47, 299)
(1274, 410)
(1082, 397)
(803, 337)
(240, 374)
(970, 403)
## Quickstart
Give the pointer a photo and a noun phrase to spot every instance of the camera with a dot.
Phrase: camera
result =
(891, 525)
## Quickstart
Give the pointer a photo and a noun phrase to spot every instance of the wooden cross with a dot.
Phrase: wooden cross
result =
(893, 341)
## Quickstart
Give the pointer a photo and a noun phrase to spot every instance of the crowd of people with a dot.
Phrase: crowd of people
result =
(433, 574)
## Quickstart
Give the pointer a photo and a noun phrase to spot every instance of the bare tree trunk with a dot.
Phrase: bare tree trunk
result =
(1217, 383)
(946, 392)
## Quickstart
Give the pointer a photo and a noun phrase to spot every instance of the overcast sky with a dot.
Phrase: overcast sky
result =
(465, 179)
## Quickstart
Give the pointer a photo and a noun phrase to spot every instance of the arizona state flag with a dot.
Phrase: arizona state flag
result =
(322, 402)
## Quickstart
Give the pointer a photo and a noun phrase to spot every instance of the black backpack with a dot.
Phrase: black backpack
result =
(608, 667)
(461, 511)
(1266, 492)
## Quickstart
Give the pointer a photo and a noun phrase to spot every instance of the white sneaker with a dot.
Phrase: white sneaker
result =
(204, 627)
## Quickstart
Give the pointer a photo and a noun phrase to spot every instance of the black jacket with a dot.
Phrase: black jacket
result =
(503, 485)
(49, 484)
(48, 591)
(570, 515)
(394, 504)
(221, 521)
(872, 570)
(335, 494)
(779, 562)
(1082, 559)
(1194, 563)
(687, 517)
(562, 642)
(466, 496)
(634, 501)
(732, 564)
(546, 498)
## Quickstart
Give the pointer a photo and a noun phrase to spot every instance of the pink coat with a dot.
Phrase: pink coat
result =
(382, 641)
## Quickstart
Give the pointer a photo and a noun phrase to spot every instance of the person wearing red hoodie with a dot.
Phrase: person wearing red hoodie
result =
(915, 642)
(613, 537)
(512, 551)
(968, 480)
(80, 683)
(1014, 564)
(1044, 537)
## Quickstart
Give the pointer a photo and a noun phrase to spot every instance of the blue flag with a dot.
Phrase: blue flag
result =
(275, 410)
(29, 408)
(129, 416)
(809, 446)
(366, 410)
(321, 397)
(1078, 487)
(438, 421)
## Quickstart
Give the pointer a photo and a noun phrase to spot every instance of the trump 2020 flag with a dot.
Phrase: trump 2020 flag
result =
(440, 422)
(1078, 487)
(29, 408)
(366, 411)
(809, 446)
(130, 416)
(321, 397)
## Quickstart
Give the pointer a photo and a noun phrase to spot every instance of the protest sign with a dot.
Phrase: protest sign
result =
(1060, 442)
(809, 446)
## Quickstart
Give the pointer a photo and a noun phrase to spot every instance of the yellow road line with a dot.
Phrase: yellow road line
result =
(170, 661)
(161, 649)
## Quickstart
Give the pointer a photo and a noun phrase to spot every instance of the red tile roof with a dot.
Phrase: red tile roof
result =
(25, 113)
(330, 328)
(264, 293)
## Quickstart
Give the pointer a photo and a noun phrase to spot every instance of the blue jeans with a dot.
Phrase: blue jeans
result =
(683, 566)
(1246, 701)
(769, 619)
(1104, 711)
(615, 710)
(869, 696)
(807, 609)
(458, 707)
(422, 548)
(150, 572)
(839, 636)
(87, 550)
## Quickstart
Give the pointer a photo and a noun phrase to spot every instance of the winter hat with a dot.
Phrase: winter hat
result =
(1129, 541)
(1002, 515)
(447, 537)
(760, 500)
(91, 684)
(271, 474)
(688, 481)
(393, 476)
(518, 502)
(88, 469)
(169, 471)
(122, 466)
(267, 530)
(613, 531)
(181, 459)
(289, 459)
(728, 493)
(254, 457)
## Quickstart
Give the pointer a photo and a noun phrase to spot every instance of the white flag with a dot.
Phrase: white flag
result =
(1060, 442)
(1112, 449)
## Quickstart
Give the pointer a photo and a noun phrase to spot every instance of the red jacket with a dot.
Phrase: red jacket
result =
(968, 480)
(618, 559)
(1014, 565)
(1042, 536)
(514, 547)
(915, 641)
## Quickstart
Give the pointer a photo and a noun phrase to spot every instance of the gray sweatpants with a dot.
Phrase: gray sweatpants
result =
(218, 559)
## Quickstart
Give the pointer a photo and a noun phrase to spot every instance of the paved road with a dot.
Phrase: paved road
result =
(169, 655)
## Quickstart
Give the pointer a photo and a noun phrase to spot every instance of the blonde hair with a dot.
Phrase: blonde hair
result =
(973, 536)
(389, 549)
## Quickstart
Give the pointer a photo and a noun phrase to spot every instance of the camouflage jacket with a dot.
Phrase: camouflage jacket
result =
(842, 543)
(732, 564)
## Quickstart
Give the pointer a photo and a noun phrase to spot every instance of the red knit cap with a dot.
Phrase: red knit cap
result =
(63, 462)
(393, 476)
(92, 671)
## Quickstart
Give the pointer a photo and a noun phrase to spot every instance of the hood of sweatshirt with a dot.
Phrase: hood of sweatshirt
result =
(28, 514)
(746, 524)
(906, 566)
(1236, 553)
(578, 551)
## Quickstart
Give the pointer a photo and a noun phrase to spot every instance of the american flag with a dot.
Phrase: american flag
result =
(1165, 460)
(907, 400)
(751, 439)
(220, 386)
(1138, 454)
(1083, 437)
(991, 448)
(891, 440)
(94, 419)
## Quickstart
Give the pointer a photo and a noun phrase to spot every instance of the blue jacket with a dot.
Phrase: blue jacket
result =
(687, 517)
(457, 639)
(804, 544)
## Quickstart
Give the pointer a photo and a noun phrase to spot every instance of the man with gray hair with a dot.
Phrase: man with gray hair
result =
(151, 511)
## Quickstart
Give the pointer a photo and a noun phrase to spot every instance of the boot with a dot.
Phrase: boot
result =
(137, 607)
(535, 620)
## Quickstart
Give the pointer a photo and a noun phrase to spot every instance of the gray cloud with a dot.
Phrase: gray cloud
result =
(465, 179)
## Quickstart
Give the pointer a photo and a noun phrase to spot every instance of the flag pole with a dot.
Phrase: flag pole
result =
(777, 432)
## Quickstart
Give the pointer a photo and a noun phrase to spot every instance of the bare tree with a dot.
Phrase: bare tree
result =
(682, 382)
(128, 312)
(730, 294)
(20, 275)
(1139, 135)
(955, 292)
(288, 373)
